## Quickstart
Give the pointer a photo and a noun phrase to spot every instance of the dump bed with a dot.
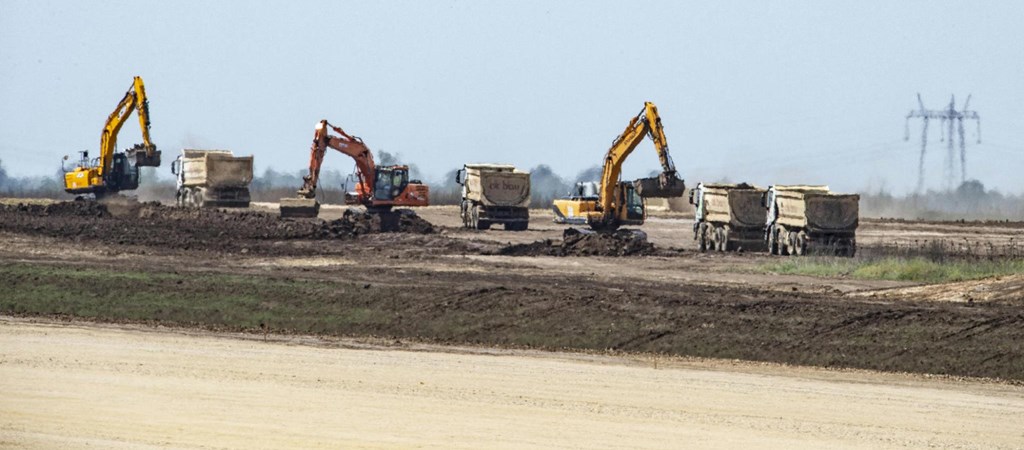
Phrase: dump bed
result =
(738, 205)
(216, 169)
(497, 185)
(817, 209)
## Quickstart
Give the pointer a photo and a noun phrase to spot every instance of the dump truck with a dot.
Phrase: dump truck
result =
(728, 217)
(492, 194)
(810, 219)
(212, 178)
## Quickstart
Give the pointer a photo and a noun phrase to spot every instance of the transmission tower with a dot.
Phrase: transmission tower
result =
(948, 118)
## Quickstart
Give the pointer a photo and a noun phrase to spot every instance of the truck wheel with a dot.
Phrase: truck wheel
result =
(702, 239)
(725, 240)
(794, 246)
(477, 223)
(783, 238)
(200, 198)
(773, 243)
(467, 219)
(800, 244)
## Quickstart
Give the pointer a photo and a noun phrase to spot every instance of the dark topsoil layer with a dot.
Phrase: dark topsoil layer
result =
(579, 243)
(153, 225)
(490, 307)
(127, 223)
(503, 308)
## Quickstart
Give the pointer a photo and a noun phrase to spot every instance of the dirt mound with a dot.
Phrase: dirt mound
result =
(152, 224)
(78, 208)
(354, 223)
(585, 243)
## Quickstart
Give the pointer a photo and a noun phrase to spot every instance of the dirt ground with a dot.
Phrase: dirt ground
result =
(437, 336)
(453, 286)
(85, 385)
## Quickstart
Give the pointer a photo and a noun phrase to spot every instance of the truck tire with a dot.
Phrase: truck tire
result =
(773, 243)
(783, 237)
(800, 244)
(702, 238)
(725, 240)
(477, 223)
(465, 214)
(793, 246)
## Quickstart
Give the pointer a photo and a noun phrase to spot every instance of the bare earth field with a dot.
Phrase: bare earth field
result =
(78, 385)
(477, 319)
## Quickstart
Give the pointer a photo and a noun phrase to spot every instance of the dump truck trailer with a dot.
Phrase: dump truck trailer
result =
(494, 194)
(212, 178)
(811, 219)
(728, 217)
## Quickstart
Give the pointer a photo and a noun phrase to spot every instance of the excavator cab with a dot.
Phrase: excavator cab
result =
(123, 174)
(633, 211)
(390, 182)
(634, 203)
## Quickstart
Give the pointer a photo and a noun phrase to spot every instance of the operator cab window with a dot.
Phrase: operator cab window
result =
(383, 188)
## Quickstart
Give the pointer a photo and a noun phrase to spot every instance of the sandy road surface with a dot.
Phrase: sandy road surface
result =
(108, 387)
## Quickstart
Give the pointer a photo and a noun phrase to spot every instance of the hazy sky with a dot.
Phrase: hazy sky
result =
(767, 92)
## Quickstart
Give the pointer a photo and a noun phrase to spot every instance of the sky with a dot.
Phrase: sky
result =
(779, 92)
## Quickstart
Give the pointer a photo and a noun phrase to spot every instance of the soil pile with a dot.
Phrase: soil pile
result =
(354, 223)
(152, 224)
(87, 209)
(584, 243)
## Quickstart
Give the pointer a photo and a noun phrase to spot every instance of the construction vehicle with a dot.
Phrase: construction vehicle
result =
(810, 219)
(622, 202)
(112, 171)
(728, 217)
(494, 193)
(212, 178)
(378, 188)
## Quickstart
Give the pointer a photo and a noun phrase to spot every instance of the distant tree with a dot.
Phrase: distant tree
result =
(3, 175)
(971, 190)
(545, 184)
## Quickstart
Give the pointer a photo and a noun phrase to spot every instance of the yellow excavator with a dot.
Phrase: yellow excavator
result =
(112, 171)
(615, 203)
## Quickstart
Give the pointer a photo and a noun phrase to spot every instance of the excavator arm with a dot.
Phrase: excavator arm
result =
(134, 100)
(344, 143)
(667, 184)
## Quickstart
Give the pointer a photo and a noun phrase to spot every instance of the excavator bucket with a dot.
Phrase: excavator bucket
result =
(144, 158)
(664, 185)
(299, 207)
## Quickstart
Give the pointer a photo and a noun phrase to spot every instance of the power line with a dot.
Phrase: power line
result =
(948, 117)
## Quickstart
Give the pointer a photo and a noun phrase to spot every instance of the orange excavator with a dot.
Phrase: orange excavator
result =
(378, 188)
